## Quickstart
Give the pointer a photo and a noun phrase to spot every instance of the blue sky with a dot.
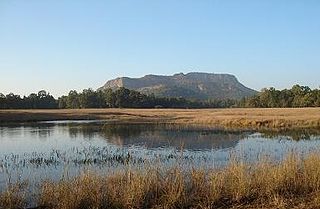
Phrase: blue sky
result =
(64, 45)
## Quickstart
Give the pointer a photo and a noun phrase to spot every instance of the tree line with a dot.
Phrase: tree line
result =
(297, 96)
(88, 98)
(125, 98)
(40, 100)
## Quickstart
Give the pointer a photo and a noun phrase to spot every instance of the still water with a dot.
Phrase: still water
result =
(64, 148)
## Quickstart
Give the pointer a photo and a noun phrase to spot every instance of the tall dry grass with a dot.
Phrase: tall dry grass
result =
(253, 118)
(293, 183)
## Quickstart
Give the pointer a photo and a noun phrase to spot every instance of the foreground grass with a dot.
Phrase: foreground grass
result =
(293, 183)
(253, 118)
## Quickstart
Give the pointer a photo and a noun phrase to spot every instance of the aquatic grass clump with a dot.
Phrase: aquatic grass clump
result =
(100, 157)
(292, 183)
(14, 196)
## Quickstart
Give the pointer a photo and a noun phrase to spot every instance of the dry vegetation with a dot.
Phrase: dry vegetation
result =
(253, 118)
(294, 183)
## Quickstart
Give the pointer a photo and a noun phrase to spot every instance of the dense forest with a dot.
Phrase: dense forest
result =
(297, 96)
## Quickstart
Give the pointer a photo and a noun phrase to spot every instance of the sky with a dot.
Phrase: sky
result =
(63, 45)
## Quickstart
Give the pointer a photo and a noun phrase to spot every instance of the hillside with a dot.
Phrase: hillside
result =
(190, 85)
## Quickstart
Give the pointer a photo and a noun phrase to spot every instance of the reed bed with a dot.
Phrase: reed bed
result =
(292, 183)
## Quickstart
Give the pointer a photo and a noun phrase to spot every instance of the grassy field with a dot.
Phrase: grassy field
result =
(253, 118)
(294, 183)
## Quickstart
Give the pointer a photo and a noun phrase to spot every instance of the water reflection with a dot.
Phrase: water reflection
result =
(145, 135)
(153, 137)
(293, 134)
(44, 147)
(38, 130)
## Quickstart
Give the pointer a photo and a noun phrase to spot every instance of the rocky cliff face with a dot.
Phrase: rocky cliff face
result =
(191, 85)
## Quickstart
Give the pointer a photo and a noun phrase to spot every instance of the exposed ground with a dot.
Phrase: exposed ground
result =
(253, 118)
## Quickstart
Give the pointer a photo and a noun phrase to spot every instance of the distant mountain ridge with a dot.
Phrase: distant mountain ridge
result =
(193, 85)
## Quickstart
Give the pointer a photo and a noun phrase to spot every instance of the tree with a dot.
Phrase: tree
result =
(73, 100)
(2, 101)
(109, 98)
(316, 97)
(32, 101)
(62, 102)
(45, 100)
(14, 101)
(285, 98)
(301, 99)
(122, 97)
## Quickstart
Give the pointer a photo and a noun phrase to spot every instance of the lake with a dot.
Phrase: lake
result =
(57, 149)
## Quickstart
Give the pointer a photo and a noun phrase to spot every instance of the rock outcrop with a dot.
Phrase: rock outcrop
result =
(191, 85)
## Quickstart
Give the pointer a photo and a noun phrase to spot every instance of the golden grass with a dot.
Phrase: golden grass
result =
(253, 118)
(293, 183)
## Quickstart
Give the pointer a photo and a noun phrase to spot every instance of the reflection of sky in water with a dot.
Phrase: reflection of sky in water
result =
(163, 144)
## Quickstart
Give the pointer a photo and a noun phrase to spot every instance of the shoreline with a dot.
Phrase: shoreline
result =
(237, 118)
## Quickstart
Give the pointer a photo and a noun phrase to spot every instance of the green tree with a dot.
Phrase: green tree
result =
(63, 102)
(73, 100)
(301, 99)
(14, 101)
(316, 97)
(45, 100)
(87, 98)
(109, 98)
(2, 101)
(122, 97)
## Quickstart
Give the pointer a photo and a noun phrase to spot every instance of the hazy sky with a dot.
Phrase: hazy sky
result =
(59, 45)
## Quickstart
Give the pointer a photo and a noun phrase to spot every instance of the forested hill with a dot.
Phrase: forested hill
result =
(190, 86)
